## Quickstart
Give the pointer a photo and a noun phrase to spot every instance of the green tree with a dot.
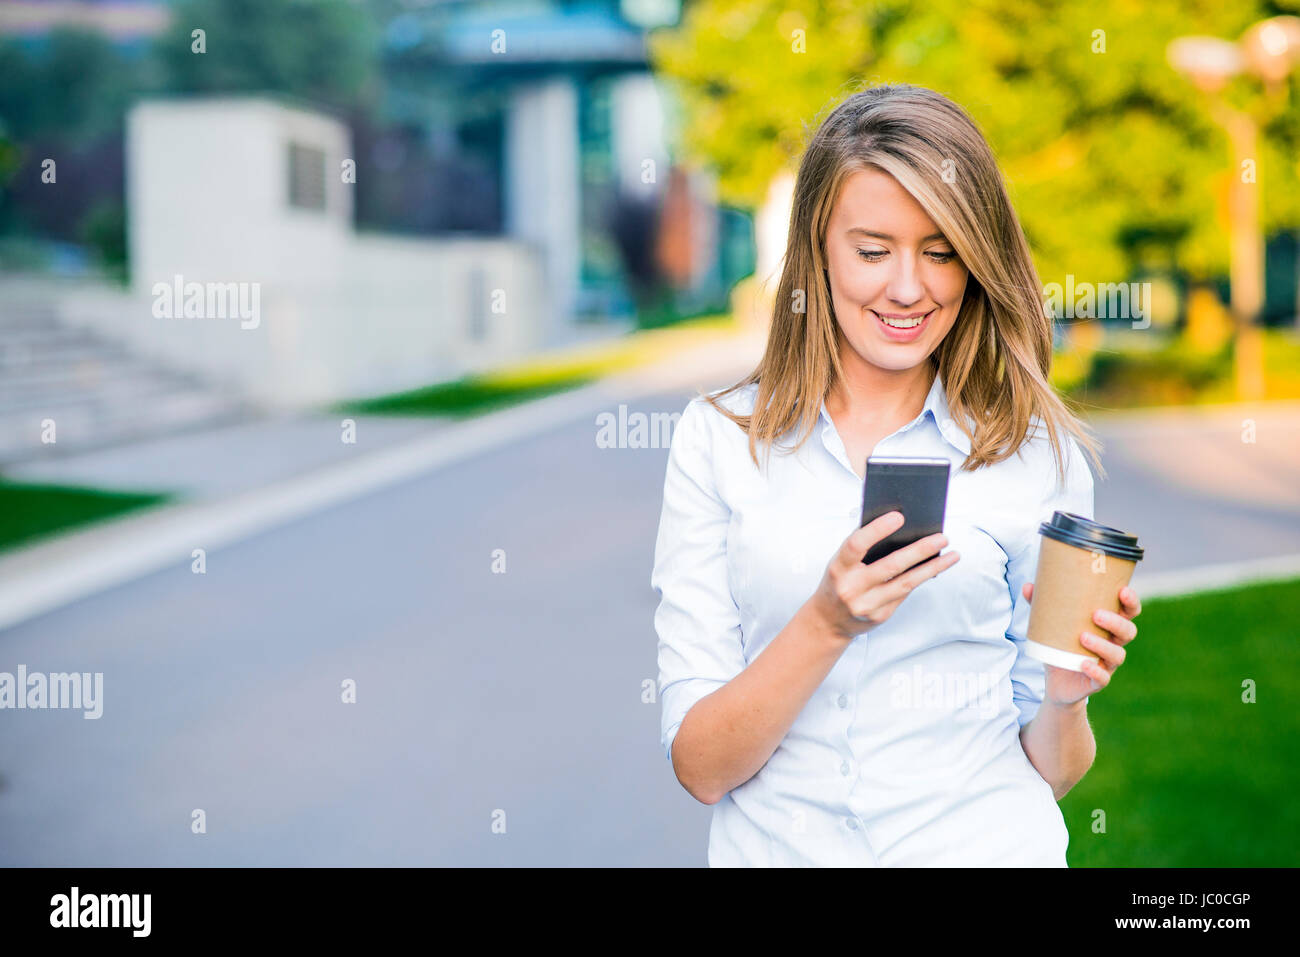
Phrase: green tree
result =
(1104, 146)
(75, 88)
(63, 99)
(322, 51)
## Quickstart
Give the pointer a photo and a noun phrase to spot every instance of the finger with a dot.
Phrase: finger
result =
(1028, 591)
(857, 545)
(895, 563)
(1097, 673)
(1109, 652)
(880, 600)
(899, 587)
(1122, 629)
(1129, 599)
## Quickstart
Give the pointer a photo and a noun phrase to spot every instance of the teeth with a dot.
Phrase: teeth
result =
(903, 323)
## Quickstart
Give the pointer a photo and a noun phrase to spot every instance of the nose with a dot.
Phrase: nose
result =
(904, 286)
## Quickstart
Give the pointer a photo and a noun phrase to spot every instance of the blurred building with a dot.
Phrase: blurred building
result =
(256, 192)
(537, 120)
(554, 102)
(513, 190)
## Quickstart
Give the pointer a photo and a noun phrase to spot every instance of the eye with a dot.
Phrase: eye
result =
(876, 255)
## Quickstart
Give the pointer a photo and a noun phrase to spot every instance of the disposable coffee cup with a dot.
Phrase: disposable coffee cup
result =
(1082, 565)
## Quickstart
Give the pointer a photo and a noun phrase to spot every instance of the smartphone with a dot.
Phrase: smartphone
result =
(917, 487)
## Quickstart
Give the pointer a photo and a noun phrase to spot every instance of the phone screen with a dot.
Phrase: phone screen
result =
(917, 487)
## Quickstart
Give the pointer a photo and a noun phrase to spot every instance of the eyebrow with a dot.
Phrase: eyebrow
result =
(875, 235)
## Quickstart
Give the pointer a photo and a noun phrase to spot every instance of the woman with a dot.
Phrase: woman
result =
(844, 713)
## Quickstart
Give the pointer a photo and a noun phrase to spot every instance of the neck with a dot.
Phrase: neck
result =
(868, 393)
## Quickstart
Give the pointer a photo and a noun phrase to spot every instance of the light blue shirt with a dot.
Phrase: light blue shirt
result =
(908, 754)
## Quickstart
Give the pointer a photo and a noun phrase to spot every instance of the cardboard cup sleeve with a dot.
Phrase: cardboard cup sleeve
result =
(1081, 567)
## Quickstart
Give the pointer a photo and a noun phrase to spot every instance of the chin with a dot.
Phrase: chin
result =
(901, 363)
(895, 360)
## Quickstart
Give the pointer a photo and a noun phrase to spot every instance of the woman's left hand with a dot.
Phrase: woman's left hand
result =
(1066, 687)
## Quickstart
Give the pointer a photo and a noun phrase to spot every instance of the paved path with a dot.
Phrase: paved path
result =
(218, 462)
(1195, 492)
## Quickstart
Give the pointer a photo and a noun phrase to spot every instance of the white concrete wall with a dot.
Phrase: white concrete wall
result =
(207, 190)
(403, 320)
(342, 314)
(543, 189)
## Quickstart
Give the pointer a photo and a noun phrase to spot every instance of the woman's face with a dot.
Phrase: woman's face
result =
(887, 261)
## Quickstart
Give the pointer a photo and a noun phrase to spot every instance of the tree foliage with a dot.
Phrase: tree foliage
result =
(319, 50)
(1111, 156)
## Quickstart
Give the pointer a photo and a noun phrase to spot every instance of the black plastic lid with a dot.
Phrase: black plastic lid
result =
(1085, 533)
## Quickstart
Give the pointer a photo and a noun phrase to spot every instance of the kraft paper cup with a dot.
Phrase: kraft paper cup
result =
(1082, 565)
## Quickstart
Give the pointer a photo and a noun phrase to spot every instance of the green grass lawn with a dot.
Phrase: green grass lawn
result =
(468, 396)
(30, 511)
(1187, 774)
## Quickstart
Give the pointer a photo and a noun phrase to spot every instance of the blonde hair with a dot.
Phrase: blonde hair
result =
(995, 359)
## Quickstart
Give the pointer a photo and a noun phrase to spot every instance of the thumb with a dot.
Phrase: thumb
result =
(1028, 591)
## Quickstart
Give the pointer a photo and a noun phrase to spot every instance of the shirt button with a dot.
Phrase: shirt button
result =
(844, 769)
(852, 823)
(842, 701)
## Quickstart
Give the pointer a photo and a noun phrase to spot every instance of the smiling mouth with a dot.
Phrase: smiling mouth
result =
(898, 322)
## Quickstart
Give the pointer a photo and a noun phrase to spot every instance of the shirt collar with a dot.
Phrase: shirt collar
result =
(936, 404)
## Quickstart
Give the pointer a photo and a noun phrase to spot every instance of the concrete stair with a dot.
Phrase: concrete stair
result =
(97, 392)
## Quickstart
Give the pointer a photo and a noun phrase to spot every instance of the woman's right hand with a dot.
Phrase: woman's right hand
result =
(854, 598)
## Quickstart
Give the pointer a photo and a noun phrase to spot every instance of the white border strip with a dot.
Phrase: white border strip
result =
(1057, 657)
(1186, 581)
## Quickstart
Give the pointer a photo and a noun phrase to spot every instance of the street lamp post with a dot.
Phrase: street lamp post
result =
(1269, 50)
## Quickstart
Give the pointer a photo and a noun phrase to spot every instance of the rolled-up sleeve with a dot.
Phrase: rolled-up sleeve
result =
(697, 620)
(1028, 675)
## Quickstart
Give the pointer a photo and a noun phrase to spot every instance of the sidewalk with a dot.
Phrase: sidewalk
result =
(1185, 446)
(216, 463)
